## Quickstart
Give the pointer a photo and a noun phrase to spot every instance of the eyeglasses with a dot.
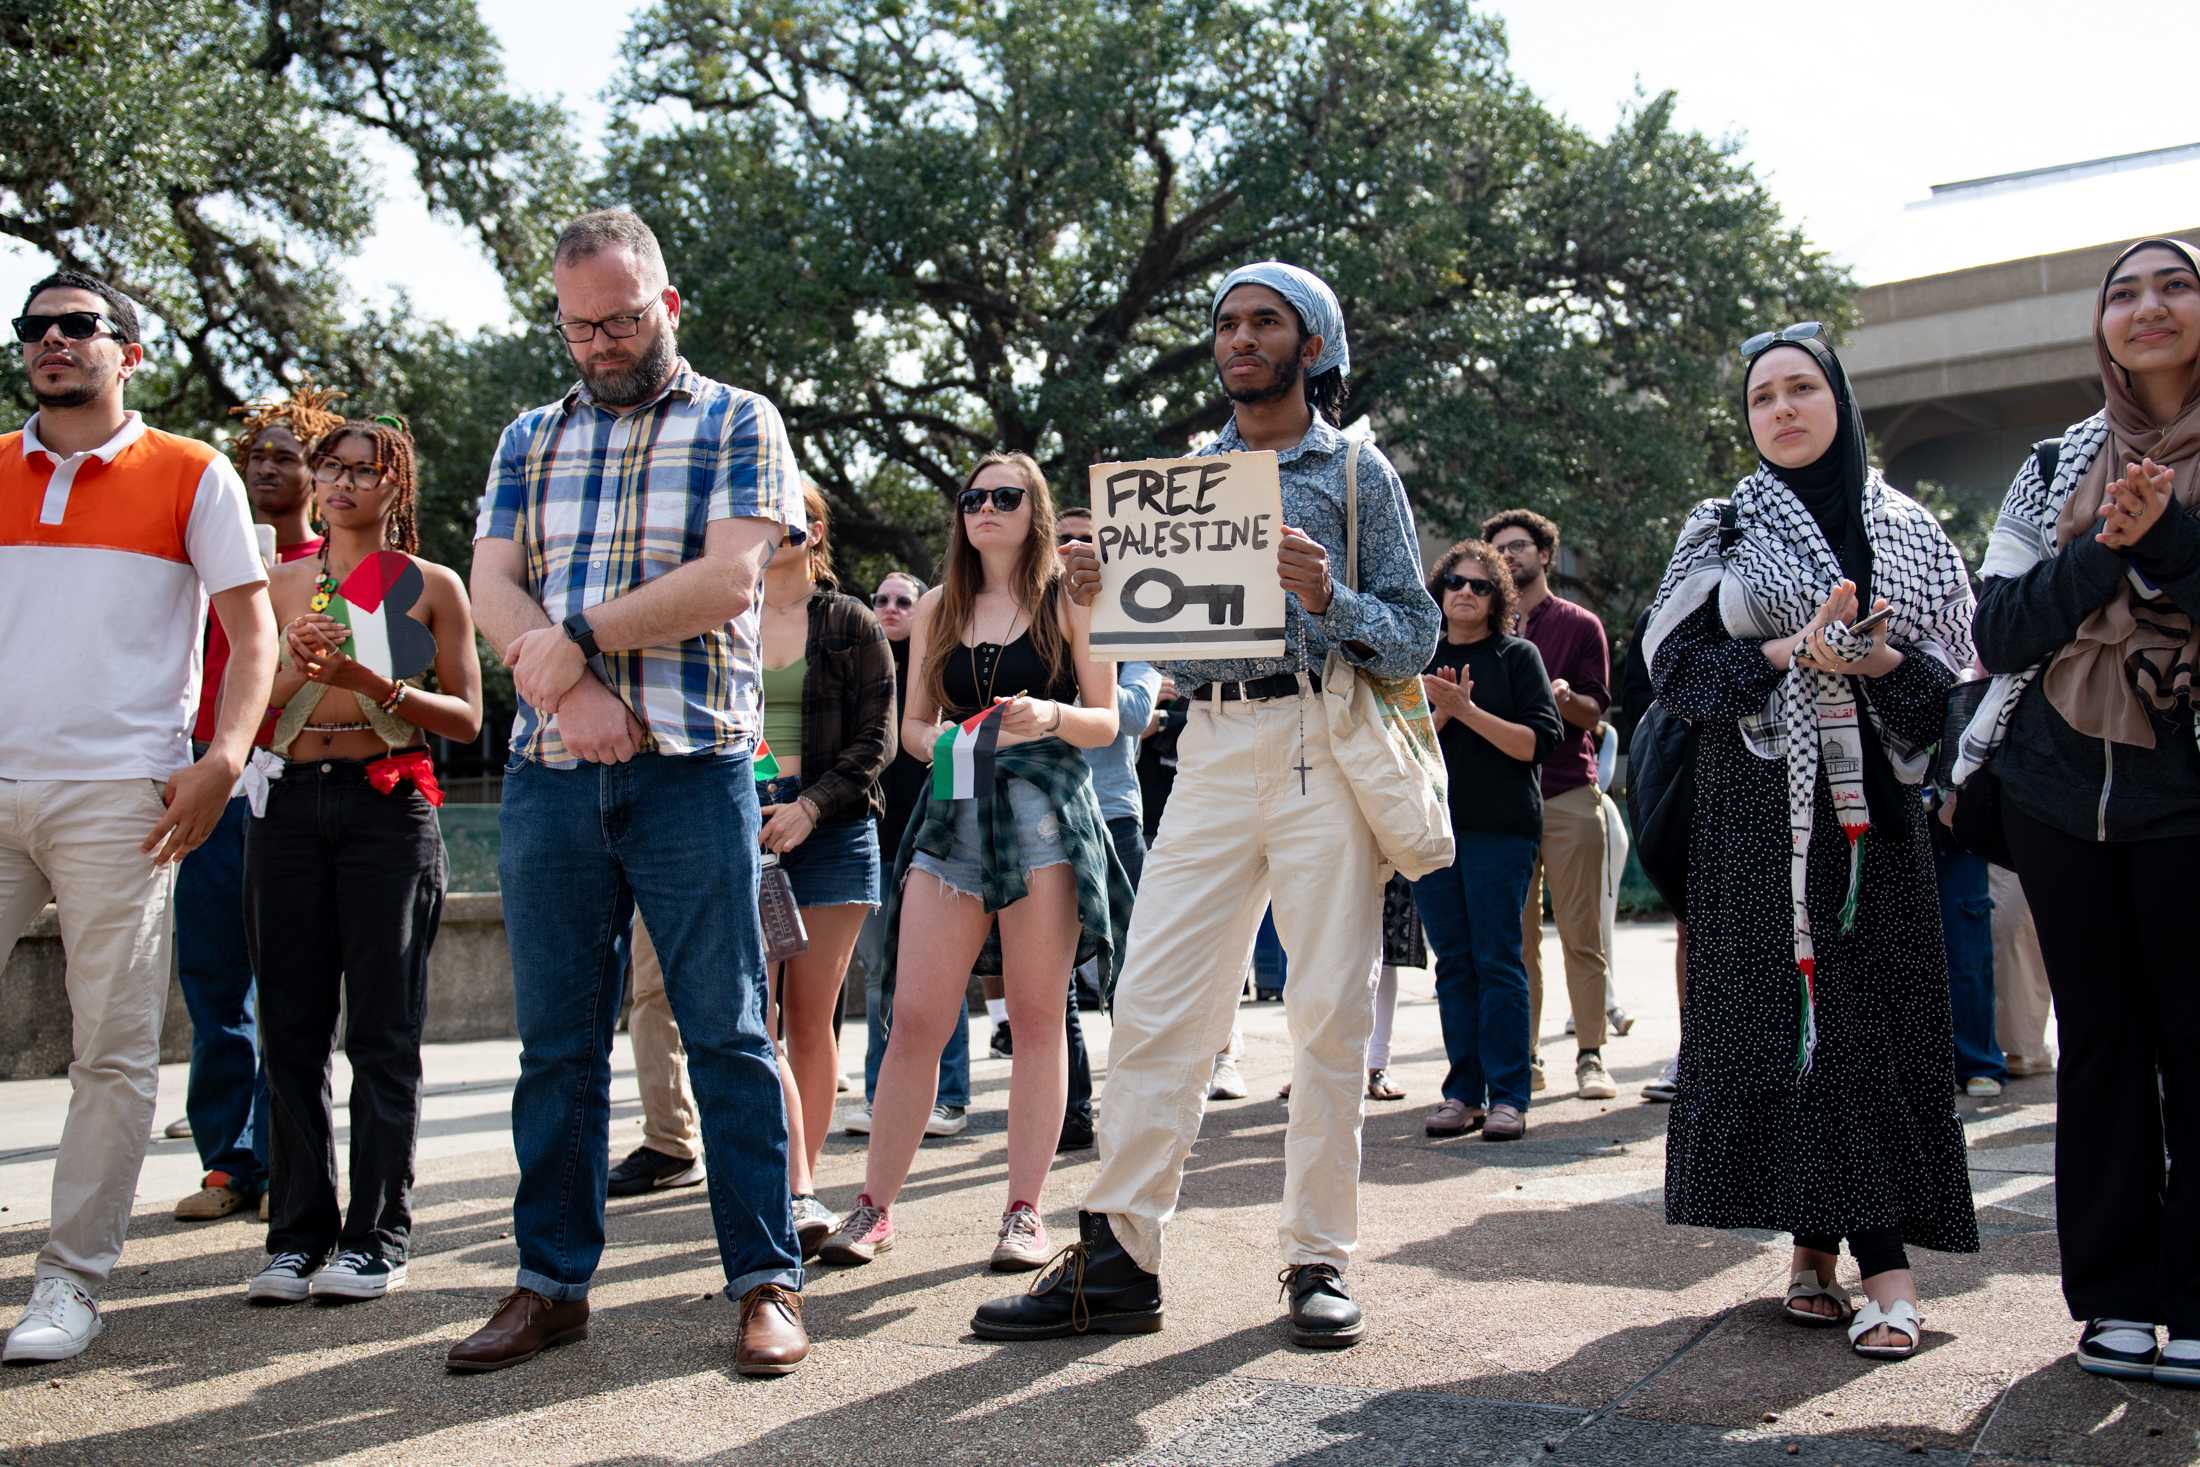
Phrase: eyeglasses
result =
(1800, 331)
(1004, 500)
(885, 599)
(1507, 547)
(75, 325)
(359, 476)
(618, 328)
(1452, 581)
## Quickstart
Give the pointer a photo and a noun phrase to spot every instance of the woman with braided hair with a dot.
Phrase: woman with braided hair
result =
(1817, 1062)
(225, 1098)
(346, 870)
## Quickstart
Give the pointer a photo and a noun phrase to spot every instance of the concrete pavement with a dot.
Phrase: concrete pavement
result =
(1527, 1303)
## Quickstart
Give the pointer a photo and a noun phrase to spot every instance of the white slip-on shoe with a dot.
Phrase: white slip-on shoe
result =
(59, 1322)
(1227, 1083)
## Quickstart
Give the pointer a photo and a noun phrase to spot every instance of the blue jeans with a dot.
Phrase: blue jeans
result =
(1967, 925)
(1471, 912)
(1270, 968)
(954, 1060)
(582, 848)
(226, 1097)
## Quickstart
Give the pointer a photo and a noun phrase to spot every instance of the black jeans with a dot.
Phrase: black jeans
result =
(1130, 848)
(344, 893)
(2112, 923)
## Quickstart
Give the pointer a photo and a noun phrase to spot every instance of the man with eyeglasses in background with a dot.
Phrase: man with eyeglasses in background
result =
(618, 562)
(1571, 857)
(906, 784)
(113, 537)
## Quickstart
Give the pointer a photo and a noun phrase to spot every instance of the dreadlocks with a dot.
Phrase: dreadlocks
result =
(306, 413)
(392, 442)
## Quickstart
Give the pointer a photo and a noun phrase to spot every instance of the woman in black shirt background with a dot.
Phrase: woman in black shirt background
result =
(1496, 721)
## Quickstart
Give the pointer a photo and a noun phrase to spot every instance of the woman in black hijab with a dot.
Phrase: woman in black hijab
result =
(1816, 1067)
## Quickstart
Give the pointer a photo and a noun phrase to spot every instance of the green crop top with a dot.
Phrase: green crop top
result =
(783, 706)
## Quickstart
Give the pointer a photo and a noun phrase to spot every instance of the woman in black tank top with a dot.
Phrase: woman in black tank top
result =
(998, 630)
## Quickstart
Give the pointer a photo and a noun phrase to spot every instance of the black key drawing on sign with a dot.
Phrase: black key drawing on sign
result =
(1219, 600)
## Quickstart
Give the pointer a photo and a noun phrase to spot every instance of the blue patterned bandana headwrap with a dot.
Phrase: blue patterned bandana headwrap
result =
(1309, 295)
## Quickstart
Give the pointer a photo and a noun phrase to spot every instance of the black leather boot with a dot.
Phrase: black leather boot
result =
(1323, 1315)
(1091, 1287)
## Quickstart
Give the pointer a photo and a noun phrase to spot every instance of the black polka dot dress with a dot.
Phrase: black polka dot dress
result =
(1868, 1139)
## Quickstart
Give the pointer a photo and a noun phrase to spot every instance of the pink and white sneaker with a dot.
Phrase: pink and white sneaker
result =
(865, 1233)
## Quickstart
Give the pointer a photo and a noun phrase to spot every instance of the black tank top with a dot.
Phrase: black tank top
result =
(1007, 671)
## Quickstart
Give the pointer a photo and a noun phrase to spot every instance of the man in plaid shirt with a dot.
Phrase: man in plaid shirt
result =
(620, 545)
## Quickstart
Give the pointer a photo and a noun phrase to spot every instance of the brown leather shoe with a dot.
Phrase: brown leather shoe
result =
(525, 1325)
(773, 1341)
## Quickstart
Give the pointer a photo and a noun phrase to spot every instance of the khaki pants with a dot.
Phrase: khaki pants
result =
(670, 1124)
(1236, 830)
(76, 842)
(2021, 1001)
(1572, 861)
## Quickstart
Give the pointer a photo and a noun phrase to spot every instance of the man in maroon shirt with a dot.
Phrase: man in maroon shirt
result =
(1572, 857)
(225, 1100)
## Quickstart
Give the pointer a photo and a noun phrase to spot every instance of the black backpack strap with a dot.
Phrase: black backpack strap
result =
(1729, 531)
(2046, 454)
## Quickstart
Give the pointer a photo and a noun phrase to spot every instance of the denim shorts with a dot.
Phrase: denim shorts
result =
(837, 865)
(1038, 834)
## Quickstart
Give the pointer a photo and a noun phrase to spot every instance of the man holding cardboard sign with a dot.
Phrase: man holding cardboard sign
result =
(1209, 564)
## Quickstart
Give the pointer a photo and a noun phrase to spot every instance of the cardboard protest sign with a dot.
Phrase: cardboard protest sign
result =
(1188, 558)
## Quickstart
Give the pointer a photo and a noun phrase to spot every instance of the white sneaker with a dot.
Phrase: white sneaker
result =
(1667, 1087)
(1592, 1081)
(947, 1120)
(59, 1322)
(1227, 1083)
(855, 1118)
(1982, 1087)
(357, 1275)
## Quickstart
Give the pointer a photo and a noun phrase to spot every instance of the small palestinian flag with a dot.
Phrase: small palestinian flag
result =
(962, 757)
(373, 601)
(764, 766)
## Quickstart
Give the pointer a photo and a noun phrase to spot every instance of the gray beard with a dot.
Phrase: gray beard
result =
(632, 386)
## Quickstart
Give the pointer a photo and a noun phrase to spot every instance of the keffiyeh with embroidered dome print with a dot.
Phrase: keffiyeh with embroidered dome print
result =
(1769, 583)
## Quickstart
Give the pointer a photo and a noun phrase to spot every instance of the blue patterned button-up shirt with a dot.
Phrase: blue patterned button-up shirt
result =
(602, 503)
(1391, 612)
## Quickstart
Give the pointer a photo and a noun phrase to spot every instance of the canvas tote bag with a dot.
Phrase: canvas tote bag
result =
(1384, 737)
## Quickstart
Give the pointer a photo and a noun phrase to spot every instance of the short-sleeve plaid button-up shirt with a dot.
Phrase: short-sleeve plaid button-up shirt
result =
(601, 503)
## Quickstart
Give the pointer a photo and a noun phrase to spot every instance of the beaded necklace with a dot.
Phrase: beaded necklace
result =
(324, 584)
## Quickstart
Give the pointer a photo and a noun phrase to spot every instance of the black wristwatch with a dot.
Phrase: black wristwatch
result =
(582, 635)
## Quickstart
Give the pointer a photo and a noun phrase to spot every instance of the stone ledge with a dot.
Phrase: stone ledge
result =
(469, 990)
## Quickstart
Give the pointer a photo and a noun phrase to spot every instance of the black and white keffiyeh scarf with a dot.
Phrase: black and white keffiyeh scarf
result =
(2024, 536)
(1769, 582)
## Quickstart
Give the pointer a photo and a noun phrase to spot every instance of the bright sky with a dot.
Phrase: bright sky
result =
(1850, 123)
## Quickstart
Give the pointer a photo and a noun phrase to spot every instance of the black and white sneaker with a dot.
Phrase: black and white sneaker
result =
(1003, 1043)
(645, 1170)
(2123, 1348)
(2179, 1363)
(286, 1279)
(358, 1275)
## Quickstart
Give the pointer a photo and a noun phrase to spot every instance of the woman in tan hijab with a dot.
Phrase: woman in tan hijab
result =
(2088, 616)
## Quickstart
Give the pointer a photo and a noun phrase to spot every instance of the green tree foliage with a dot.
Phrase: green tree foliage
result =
(933, 227)
(205, 156)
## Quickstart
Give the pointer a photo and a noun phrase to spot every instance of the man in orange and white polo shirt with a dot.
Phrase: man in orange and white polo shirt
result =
(112, 537)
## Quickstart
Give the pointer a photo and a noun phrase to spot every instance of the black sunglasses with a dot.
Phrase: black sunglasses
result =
(885, 599)
(1800, 331)
(1453, 581)
(1004, 500)
(75, 325)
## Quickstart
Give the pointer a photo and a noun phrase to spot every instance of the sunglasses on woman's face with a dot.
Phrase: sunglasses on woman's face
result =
(884, 599)
(1004, 500)
(1800, 331)
(1453, 581)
